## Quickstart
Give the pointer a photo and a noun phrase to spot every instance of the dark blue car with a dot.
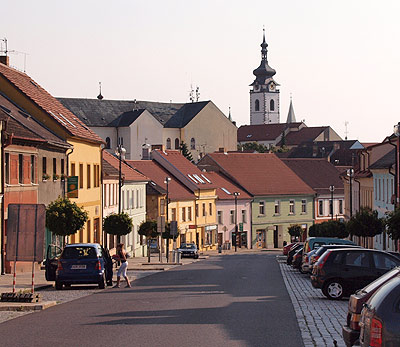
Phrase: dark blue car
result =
(81, 263)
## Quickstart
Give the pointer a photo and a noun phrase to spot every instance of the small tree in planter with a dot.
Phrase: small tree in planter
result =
(149, 230)
(295, 231)
(64, 217)
(392, 222)
(118, 224)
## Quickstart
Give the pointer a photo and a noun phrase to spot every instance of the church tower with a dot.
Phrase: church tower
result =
(264, 95)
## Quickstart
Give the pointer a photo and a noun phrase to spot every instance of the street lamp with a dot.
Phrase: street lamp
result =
(396, 130)
(120, 153)
(236, 194)
(332, 189)
(167, 180)
(350, 174)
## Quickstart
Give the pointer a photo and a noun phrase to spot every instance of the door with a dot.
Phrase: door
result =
(260, 238)
(243, 239)
(51, 262)
(276, 237)
(358, 269)
(220, 239)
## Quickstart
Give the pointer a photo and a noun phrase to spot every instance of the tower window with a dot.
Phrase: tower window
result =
(176, 143)
(272, 105)
(168, 143)
(257, 105)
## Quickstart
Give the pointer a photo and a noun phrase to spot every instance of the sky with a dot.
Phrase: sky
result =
(339, 60)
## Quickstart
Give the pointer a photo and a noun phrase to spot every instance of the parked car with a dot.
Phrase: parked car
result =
(81, 263)
(189, 250)
(340, 272)
(297, 258)
(286, 248)
(321, 250)
(292, 251)
(316, 242)
(306, 263)
(380, 317)
(351, 330)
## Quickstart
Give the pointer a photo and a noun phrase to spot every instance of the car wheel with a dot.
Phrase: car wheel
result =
(333, 289)
(102, 282)
(59, 285)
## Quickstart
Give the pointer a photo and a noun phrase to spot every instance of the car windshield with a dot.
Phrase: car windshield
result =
(188, 246)
(80, 252)
(381, 280)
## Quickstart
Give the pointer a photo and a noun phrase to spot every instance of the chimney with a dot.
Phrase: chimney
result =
(5, 59)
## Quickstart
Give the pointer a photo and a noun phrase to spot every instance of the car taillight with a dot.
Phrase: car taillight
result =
(59, 266)
(98, 265)
(354, 321)
(316, 258)
(375, 339)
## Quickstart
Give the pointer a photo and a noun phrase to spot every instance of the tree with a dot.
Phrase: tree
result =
(254, 146)
(332, 228)
(295, 230)
(149, 230)
(118, 224)
(64, 217)
(365, 223)
(185, 151)
(393, 224)
(313, 230)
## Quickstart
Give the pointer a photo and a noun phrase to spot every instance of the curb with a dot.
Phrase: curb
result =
(31, 306)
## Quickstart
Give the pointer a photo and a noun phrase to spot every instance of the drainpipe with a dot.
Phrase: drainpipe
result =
(3, 229)
(105, 243)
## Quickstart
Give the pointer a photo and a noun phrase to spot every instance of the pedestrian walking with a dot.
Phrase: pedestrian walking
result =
(121, 256)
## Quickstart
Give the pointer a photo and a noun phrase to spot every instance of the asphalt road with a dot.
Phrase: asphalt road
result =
(231, 300)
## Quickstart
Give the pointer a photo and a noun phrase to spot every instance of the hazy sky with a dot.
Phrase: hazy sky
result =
(340, 59)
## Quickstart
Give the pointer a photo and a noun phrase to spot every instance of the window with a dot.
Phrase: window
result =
(204, 209)
(88, 230)
(383, 262)
(20, 168)
(257, 105)
(210, 208)
(277, 207)
(72, 169)
(123, 199)
(176, 143)
(192, 143)
(197, 210)
(219, 217)
(80, 175)
(44, 165)
(331, 207)
(137, 200)
(291, 206)
(108, 143)
(183, 214)
(340, 206)
(320, 207)
(7, 168)
(62, 167)
(272, 105)
(88, 176)
(261, 208)
(162, 206)
(54, 167)
(33, 164)
(189, 217)
(244, 216)
(173, 214)
(168, 143)
(357, 259)
(303, 206)
(232, 217)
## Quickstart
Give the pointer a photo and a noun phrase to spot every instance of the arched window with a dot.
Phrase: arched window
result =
(192, 143)
(168, 143)
(108, 143)
(176, 143)
(272, 105)
(257, 105)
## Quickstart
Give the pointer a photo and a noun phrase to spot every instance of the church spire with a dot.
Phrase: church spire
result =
(264, 71)
(291, 118)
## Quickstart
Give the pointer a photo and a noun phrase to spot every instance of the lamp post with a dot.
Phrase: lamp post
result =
(120, 153)
(332, 189)
(167, 180)
(236, 194)
(396, 130)
(350, 174)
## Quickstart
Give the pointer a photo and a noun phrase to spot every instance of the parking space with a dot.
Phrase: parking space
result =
(320, 320)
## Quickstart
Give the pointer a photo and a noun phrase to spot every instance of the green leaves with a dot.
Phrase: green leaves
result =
(295, 230)
(331, 228)
(148, 229)
(118, 224)
(393, 224)
(64, 217)
(365, 223)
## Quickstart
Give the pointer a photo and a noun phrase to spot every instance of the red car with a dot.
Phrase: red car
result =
(287, 248)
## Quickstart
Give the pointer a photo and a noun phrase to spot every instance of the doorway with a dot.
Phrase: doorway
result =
(276, 236)
(260, 239)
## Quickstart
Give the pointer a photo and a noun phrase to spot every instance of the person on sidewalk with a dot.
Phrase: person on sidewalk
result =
(121, 256)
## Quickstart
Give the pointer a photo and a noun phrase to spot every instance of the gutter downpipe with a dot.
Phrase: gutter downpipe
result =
(3, 224)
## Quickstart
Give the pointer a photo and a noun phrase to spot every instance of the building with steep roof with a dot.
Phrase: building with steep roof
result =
(84, 158)
(280, 197)
(141, 125)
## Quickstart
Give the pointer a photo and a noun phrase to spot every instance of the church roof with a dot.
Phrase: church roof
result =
(185, 114)
(264, 72)
(291, 118)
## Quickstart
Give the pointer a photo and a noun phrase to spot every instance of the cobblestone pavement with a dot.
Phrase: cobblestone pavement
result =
(68, 294)
(320, 320)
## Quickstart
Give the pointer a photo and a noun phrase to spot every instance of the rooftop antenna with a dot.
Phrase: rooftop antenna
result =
(346, 132)
(191, 94)
(6, 51)
(230, 117)
(100, 97)
(197, 93)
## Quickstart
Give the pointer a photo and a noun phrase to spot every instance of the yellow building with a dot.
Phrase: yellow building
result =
(84, 160)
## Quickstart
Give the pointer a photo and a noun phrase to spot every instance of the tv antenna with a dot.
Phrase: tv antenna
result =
(194, 95)
(5, 51)
(346, 132)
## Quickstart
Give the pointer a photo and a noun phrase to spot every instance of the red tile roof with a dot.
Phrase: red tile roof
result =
(317, 173)
(128, 172)
(304, 134)
(263, 132)
(176, 190)
(261, 173)
(226, 188)
(64, 117)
